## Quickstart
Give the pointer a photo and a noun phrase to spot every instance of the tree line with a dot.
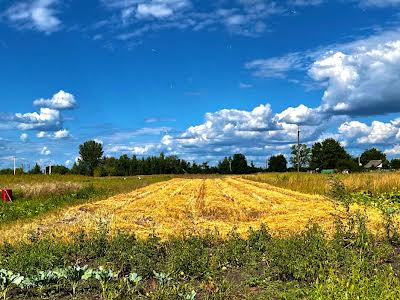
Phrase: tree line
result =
(328, 154)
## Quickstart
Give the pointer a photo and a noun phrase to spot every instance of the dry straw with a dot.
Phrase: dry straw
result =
(181, 206)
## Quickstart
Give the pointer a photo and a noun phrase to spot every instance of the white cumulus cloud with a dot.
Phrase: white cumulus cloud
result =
(60, 101)
(45, 120)
(45, 151)
(62, 134)
(363, 81)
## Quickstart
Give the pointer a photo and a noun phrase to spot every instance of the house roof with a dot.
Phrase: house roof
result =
(374, 164)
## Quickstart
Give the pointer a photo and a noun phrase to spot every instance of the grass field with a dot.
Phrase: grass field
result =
(189, 238)
(374, 182)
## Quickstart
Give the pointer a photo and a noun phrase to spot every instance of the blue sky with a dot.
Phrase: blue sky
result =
(199, 79)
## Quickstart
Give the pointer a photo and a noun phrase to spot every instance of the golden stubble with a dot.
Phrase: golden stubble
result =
(184, 206)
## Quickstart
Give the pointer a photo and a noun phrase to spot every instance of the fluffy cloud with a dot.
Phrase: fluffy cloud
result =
(377, 133)
(393, 151)
(38, 15)
(46, 120)
(60, 101)
(45, 151)
(160, 8)
(256, 133)
(42, 134)
(361, 82)
(301, 115)
(62, 134)
(24, 137)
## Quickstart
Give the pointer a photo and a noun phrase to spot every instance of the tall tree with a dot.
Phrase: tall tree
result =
(395, 163)
(90, 155)
(373, 154)
(239, 164)
(327, 154)
(224, 166)
(316, 156)
(277, 163)
(304, 155)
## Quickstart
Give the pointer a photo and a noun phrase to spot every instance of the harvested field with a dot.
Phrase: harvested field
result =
(191, 206)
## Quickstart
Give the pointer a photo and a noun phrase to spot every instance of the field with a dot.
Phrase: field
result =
(265, 236)
(191, 206)
(374, 182)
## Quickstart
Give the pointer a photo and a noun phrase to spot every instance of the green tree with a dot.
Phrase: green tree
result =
(239, 164)
(224, 166)
(395, 163)
(90, 155)
(305, 155)
(373, 154)
(36, 170)
(327, 154)
(277, 163)
(347, 164)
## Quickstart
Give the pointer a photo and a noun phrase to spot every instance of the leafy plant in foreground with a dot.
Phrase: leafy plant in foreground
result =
(132, 281)
(72, 275)
(162, 278)
(42, 280)
(8, 281)
(103, 276)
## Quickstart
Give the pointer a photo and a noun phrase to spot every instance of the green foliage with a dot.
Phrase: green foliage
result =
(303, 152)
(90, 154)
(8, 281)
(36, 170)
(327, 154)
(73, 275)
(339, 193)
(395, 164)
(351, 264)
(277, 163)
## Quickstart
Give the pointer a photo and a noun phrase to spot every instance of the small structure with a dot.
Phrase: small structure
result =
(374, 164)
(6, 195)
(328, 171)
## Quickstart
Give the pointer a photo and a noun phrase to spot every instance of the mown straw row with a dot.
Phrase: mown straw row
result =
(181, 206)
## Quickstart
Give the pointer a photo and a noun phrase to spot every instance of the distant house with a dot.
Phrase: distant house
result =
(374, 164)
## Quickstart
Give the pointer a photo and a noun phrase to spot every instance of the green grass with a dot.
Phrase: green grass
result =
(88, 189)
(354, 264)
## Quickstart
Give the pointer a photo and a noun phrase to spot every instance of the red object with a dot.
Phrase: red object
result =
(6, 195)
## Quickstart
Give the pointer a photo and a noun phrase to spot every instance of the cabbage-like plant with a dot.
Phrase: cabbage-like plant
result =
(8, 281)
(72, 275)
(162, 278)
(44, 279)
(132, 281)
(103, 276)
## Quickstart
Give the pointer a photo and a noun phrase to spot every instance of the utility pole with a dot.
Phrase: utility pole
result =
(298, 148)
(15, 168)
(50, 169)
